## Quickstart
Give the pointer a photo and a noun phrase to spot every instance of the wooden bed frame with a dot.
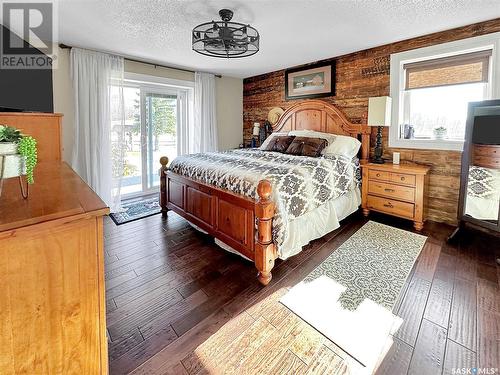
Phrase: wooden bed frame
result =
(230, 217)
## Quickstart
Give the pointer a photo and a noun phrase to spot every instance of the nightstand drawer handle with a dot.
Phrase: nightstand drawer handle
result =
(389, 190)
(388, 205)
(402, 178)
(378, 174)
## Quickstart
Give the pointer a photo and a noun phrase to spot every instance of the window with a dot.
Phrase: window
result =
(431, 88)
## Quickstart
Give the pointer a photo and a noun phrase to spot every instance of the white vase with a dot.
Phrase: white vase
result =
(11, 163)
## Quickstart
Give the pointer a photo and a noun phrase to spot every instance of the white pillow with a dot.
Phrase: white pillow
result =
(343, 145)
(337, 144)
(268, 139)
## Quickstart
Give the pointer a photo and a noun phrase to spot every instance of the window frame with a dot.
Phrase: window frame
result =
(398, 78)
(184, 90)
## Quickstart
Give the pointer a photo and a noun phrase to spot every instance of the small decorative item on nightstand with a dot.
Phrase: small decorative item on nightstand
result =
(262, 133)
(379, 114)
(397, 190)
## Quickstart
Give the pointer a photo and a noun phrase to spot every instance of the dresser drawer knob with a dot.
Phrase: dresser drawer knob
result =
(389, 190)
(388, 205)
(402, 178)
(378, 175)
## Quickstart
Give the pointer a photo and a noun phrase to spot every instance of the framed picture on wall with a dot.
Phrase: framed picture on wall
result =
(312, 81)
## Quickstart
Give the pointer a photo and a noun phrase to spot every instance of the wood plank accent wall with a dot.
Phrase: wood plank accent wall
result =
(364, 74)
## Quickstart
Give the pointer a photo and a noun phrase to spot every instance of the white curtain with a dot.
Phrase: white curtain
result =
(205, 120)
(98, 149)
(185, 144)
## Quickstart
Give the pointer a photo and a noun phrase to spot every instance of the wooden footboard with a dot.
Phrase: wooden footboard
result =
(227, 216)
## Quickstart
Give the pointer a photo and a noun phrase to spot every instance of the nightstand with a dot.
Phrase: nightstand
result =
(395, 189)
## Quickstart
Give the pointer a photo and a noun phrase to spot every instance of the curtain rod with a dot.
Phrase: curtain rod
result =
(65, 46)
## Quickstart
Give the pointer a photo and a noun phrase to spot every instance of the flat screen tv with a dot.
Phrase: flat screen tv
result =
(28, 90)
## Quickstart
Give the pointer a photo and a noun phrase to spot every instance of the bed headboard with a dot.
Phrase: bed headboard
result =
(323, 117)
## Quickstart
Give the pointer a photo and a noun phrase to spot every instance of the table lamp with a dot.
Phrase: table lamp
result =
(379, 114)
(255, 133)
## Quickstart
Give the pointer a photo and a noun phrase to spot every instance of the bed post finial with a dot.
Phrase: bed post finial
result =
(265, 251)
(163, 185)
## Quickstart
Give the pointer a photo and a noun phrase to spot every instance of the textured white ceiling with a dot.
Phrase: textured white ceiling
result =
(292, 32)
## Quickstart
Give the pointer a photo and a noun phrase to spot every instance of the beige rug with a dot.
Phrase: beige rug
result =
(350, 296)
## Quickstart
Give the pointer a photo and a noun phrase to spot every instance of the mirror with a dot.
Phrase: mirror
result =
(481, 162)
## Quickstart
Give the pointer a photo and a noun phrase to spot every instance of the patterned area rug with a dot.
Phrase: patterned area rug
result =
(350, 296)
(136, 209)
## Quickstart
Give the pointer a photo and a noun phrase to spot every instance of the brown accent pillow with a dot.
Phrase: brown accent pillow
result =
(305, 146)
(280, 143)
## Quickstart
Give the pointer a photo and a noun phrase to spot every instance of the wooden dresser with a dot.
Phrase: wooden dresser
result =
(397, 190)
(52, 306)
(486, 156)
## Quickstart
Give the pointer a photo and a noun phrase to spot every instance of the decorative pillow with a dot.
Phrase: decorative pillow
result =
(264, 144)
(337, 144)
(330, 138)
(343, 145)
(306, 146)
(280, 143)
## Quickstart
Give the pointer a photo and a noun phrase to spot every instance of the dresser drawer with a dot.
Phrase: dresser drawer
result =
(391, 206)
(392, 191)
(403, 178)
(486, 161)
(379, 175)
(486, 150)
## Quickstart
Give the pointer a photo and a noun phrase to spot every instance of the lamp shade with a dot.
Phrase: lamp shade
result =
(256, 128)
(379, 111)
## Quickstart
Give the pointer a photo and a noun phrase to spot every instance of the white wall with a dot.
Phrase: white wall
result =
(63, 101)
(229, 93)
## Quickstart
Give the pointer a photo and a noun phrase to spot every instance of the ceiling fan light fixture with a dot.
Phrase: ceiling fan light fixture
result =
(225, 38)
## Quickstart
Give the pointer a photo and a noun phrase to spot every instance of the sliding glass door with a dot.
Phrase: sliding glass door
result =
(131, 182)
(160, 129)
(151, 122)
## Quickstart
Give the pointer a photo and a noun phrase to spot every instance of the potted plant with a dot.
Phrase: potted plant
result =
(440, 133)
(18, 155)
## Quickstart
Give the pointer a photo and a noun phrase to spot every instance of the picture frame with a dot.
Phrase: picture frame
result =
(310, 81)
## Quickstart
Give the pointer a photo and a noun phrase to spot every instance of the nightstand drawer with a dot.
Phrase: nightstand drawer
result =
(379, 175)
(403, 178)
(392, 191)
(391, 206)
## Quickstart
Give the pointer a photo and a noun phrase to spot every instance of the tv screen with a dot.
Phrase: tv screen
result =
(486, 130)
(27, 90)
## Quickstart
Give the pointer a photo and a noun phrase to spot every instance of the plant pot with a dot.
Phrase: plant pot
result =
(439, 134)
(8, 148)
(11, 163)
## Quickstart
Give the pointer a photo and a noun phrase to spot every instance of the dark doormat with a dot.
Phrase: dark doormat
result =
(137, 209)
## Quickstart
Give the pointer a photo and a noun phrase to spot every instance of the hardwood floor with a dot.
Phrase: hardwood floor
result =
(177, 304)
